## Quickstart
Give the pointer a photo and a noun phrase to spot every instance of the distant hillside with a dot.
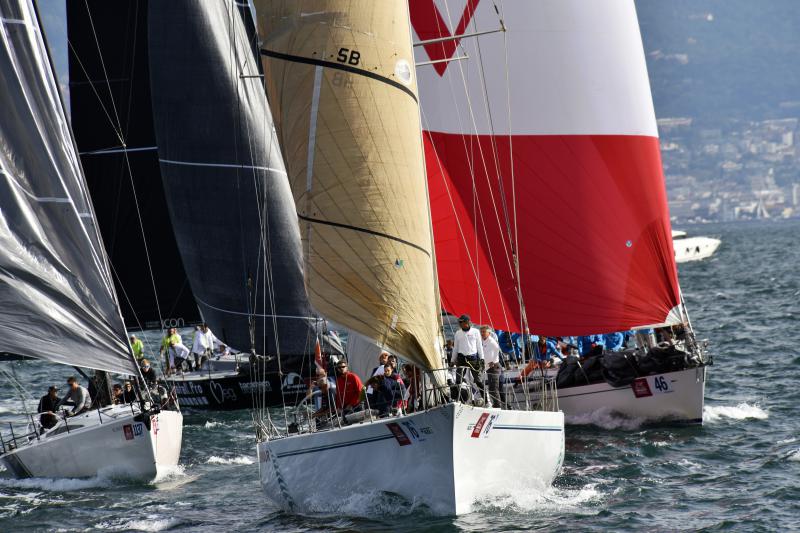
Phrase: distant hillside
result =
(712, 59)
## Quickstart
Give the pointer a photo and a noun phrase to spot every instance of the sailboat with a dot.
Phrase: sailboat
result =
(546, 186)
(341, 83)
(57, 297)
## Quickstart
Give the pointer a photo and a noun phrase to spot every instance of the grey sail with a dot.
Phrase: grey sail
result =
(228, 194)
(57, 299)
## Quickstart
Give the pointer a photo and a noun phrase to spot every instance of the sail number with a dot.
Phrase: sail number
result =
(351, 57)
(661, 384)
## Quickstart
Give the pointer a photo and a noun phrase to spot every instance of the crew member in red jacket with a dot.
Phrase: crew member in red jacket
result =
(348, 389)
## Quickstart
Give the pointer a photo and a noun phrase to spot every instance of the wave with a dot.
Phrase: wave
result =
(209, 424)
(743, 411)
(240, 460)
(151, 523)
(58, 485)
(795, 456)
(606, 419)
(549, 500)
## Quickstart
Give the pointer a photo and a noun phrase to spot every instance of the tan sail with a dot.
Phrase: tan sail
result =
(340, 80)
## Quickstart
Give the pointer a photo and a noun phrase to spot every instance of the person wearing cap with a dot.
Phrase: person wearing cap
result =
(468, 353)
(137, 347)
(48, 404)
(78, 396)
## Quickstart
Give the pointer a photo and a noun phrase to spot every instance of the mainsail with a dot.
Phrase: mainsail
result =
(113, 124)
(230, 201)
(543, 164)
(340, 81)
(57, 300)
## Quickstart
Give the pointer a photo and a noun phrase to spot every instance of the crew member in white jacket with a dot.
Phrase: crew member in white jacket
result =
(203, 345)
(468, 353)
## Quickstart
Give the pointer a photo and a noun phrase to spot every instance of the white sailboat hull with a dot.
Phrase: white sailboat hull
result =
(675, 397)
(448, 458)
(694, 248)
(114, 443)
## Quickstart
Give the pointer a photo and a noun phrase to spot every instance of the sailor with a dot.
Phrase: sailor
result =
(166, 342)
(587, 344)
(178, 354)
(348, 388)
(468, 353)
(509, 351)
(148, 373)
(77, 396)
(117, 396)
(614, 341)
(128, 393)
(491, 356)
(203, 345)
(137, 347)
(545, 349)
(48, 404)
(382, 358)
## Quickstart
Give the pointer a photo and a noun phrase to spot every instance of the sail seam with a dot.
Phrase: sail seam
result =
(337, 66)
(220, 165)
(364, 230)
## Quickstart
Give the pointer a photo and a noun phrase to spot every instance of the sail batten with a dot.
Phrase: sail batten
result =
(341, 83)
(57, 298)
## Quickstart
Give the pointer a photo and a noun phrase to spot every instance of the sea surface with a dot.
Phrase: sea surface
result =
(739, 471)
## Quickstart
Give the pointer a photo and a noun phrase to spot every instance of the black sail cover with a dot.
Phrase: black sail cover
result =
(230, 202)
(57, 300)
(110, 103)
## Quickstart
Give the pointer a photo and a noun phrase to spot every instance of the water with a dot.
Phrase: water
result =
(739, 471)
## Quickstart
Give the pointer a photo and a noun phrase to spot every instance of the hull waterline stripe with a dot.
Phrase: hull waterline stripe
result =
(530, 428)
(339, 445)
(364, 230)
(339, 66)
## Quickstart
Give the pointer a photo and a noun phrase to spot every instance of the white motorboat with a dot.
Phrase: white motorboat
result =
(693, 248)
(448, 457)
(116, 440)
(57, 298)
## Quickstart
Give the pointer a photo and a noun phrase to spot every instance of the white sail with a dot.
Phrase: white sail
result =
(57, 298)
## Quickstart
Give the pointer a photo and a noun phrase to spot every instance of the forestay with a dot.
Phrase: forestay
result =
(340, 80)
(541, 140)
(57, 300)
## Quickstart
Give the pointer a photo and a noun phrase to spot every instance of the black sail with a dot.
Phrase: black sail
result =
(230, 201)
(57, 301)
(110, 105)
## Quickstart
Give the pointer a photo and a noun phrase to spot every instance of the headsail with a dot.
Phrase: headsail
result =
(340, 79)
(57, 300)
(110, 103)
(543, 141)
(230, 201)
